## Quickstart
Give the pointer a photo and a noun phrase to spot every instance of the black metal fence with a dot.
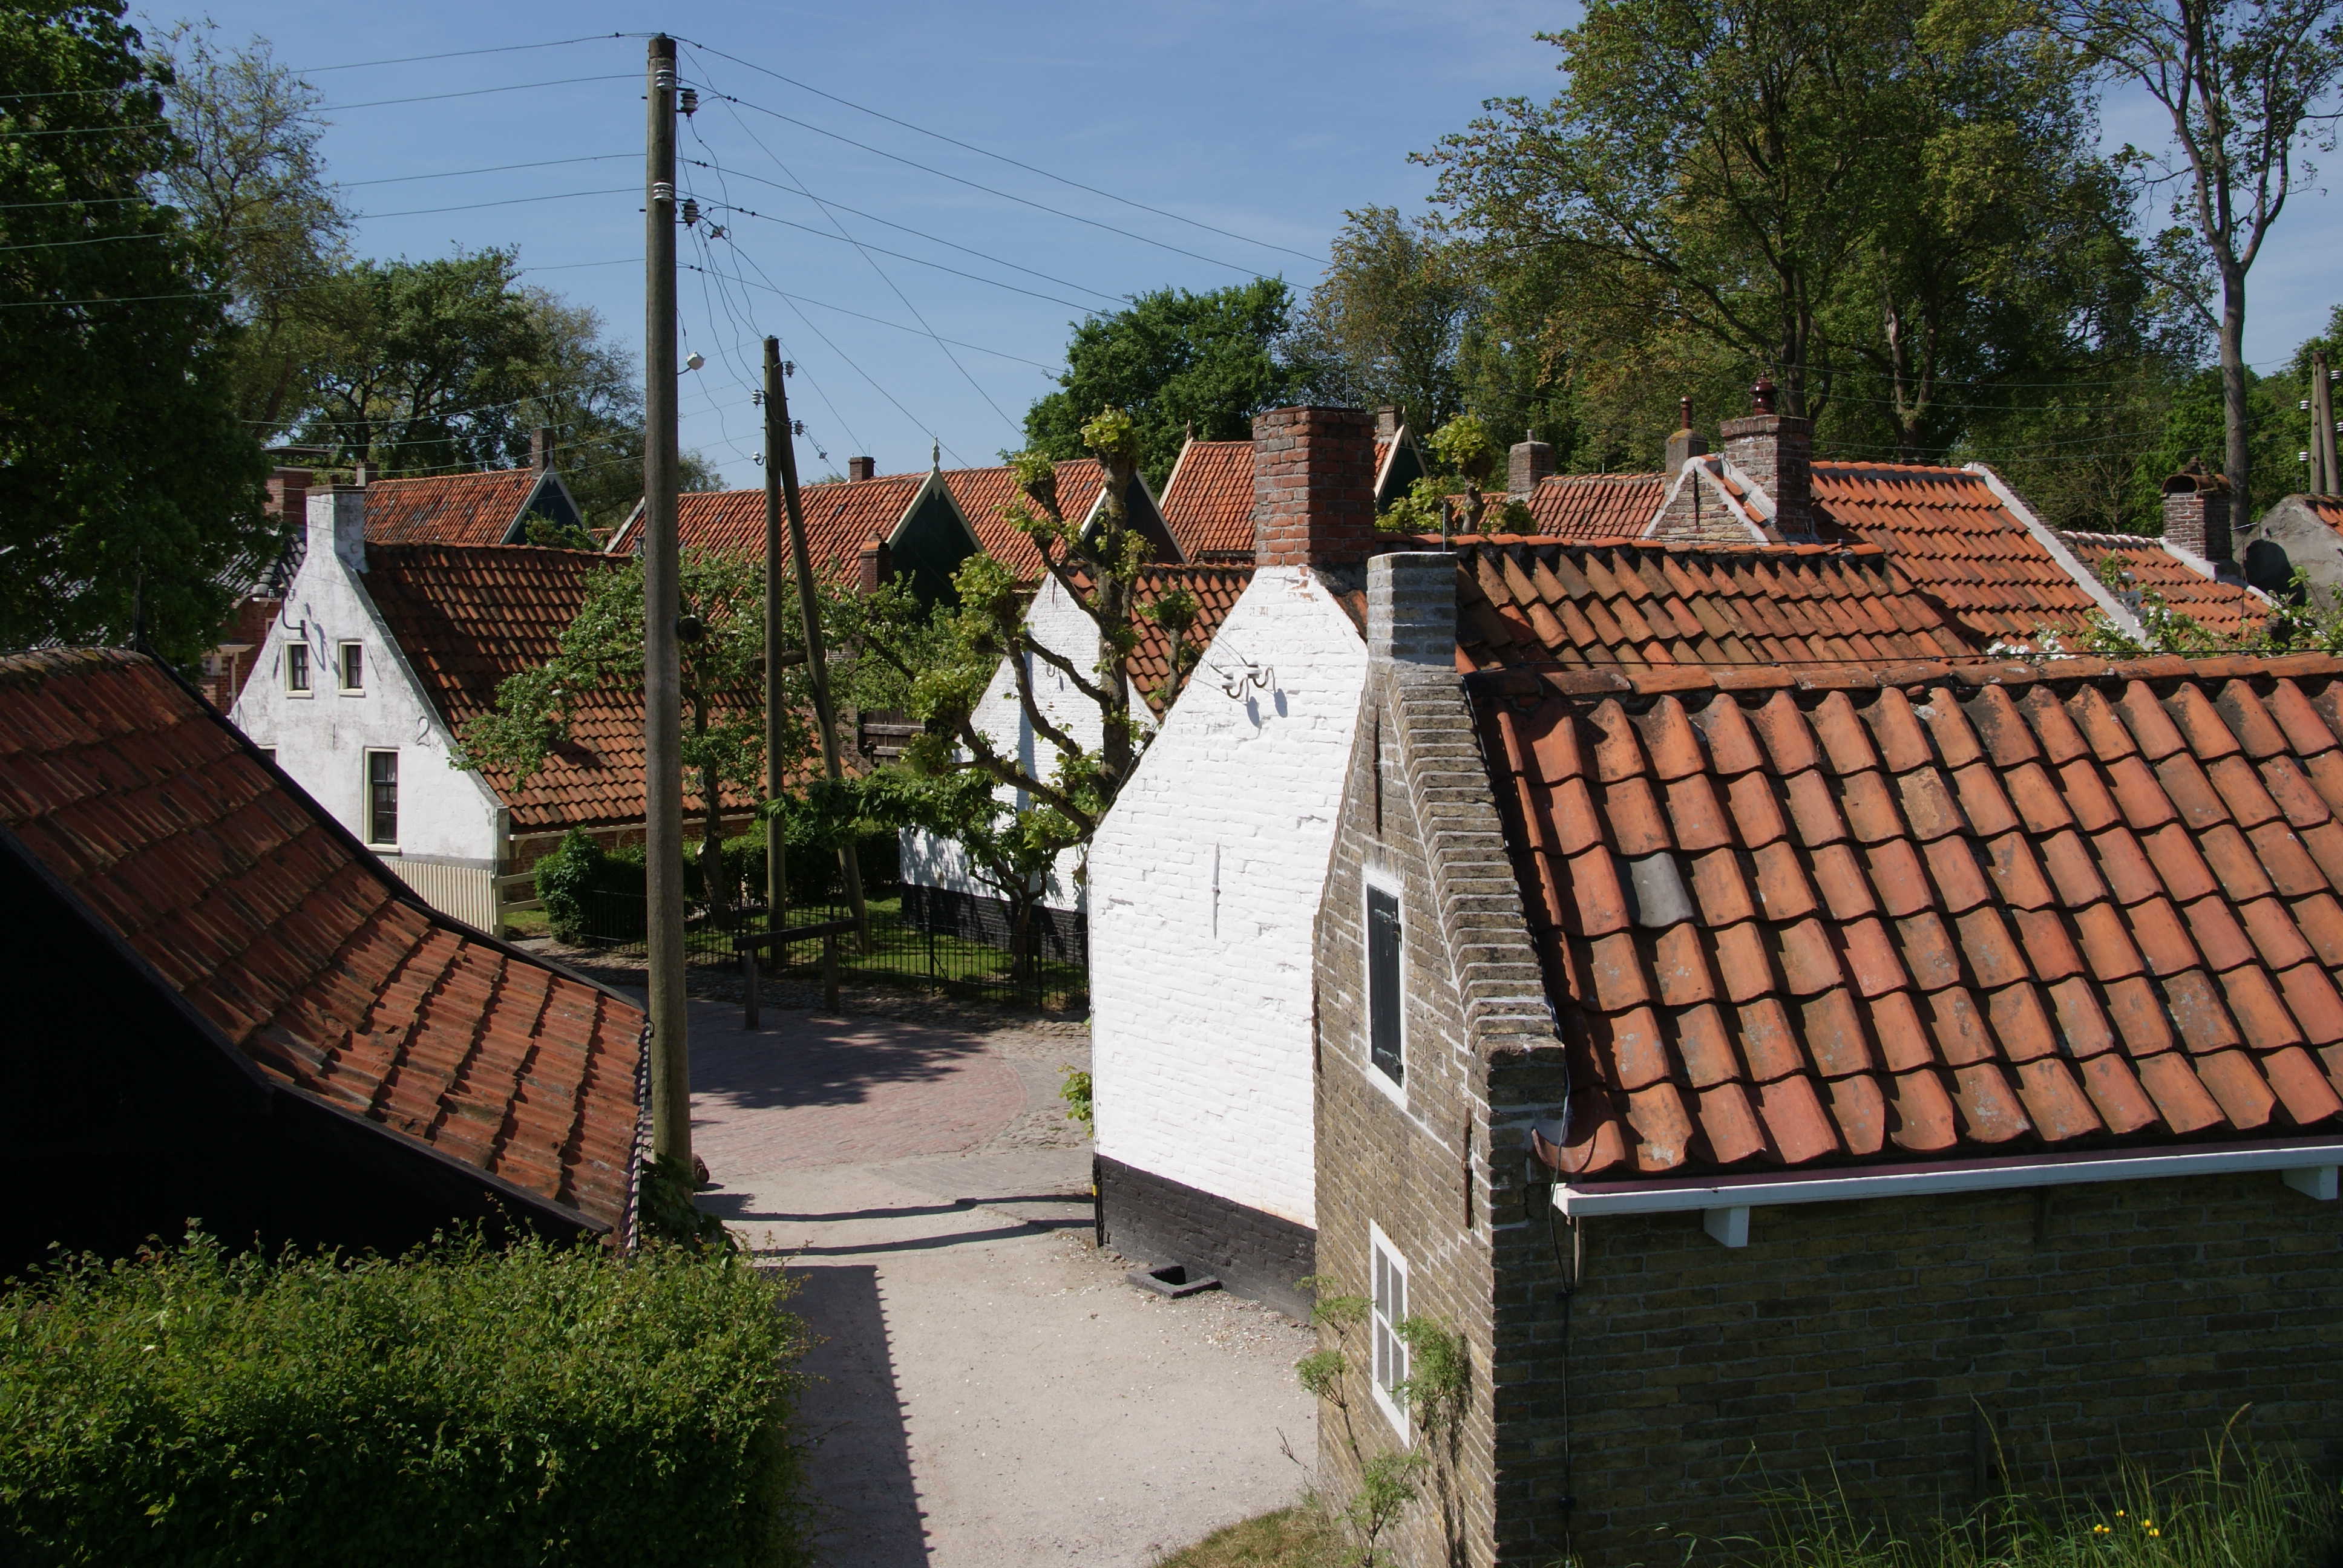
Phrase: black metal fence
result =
(920, 938)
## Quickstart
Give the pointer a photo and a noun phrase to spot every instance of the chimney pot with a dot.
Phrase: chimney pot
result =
(540, 448)
(1761, 397)
(860, 468)
(1685, 444)
(288, 495)
(360, 473)
(2197, 513)
(1387, 422)
(337, 525)
(1313, 499)
(1525, 464)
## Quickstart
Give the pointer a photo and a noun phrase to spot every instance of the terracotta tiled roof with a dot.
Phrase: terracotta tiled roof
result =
(2327, 509)
(448, 508)
(1542, 601)
(984, 495)
(467, 617)
(1952, 537)
(1216, 588)
(1925, 912)
(300, 950)
(1208, 503)
(2231, 610)
(1595, 506)
(839, 519)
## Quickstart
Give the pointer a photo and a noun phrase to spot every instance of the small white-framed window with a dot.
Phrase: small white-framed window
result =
(382, 799)
(1388, 1310)
(350, 664)
(297, 669)
(1386, 992)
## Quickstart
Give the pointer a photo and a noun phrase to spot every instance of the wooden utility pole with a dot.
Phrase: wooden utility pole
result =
(777, 412)
(776, 435)
(2324, 479)
(662, 604)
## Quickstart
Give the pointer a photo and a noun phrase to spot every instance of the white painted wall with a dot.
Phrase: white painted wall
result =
(1204, 882)
(1060, 624)
(322, 739)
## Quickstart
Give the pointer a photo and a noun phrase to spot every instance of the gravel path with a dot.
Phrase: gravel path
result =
(992, 1390)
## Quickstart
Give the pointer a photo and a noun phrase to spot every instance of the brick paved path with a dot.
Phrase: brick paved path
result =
(991, 1392)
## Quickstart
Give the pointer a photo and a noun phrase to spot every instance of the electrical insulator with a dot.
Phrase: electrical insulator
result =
(716, 231)
(690, 212)
(687, 101)
(789, 367)
(2304, 404)
(2302, 456)
(757, 400)
(797, 427)
(663, 190)
(664, 78)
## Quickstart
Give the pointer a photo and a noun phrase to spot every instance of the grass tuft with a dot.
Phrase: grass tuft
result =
(1301, 1536)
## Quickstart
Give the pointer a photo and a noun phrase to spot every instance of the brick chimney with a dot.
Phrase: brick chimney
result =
(2197, 513)
(1777, 452)
(337, 525)
(540, 448)
(874, 568)
(1387, 422)
(860, 468)
(1313, 499)
(1686, 443)
(288, 495)
(1525, 464)
(1411, 608)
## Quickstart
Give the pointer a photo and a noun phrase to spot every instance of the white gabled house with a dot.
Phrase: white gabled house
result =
(378, 657)
(1204, 882)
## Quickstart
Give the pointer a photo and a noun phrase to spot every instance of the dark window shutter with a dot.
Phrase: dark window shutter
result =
(1383, 983)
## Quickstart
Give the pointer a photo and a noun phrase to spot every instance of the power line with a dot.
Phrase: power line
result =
(879, 320)
(899, 256)
(355, 217)
(464, 53)
(988, 190)
(889, 223)
(1003, 157)
(873, 265)
(476, 92)
(337, 185)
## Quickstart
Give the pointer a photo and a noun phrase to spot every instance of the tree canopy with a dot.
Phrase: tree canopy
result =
(129, 491)
(1173, 362)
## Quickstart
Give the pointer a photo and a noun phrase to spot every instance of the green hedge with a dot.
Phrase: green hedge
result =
(579, 867)
(459, 1405)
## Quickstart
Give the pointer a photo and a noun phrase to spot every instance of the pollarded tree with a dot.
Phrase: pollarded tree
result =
(721, 635)
(938, 666)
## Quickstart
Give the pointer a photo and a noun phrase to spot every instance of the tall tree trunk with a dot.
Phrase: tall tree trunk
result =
(2238, 457)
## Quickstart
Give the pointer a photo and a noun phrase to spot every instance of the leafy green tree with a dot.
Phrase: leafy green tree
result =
(1174, 361)
(253, 186)
(426, 365)
(2250, 88)
(129, 495)
(722, 640)
(1388, 323)
(1863, 198)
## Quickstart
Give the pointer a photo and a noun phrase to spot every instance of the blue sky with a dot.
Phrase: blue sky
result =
(1266, 121)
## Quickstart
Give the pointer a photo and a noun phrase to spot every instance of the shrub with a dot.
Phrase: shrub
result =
(570, 878)
(536, 1405)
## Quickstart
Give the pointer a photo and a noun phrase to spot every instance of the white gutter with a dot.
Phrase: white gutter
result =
(1725, 1201)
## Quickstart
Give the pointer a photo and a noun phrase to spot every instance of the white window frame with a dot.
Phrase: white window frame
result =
(308, 687)
(366, 795)
(1387, 1308)
(342, 667)
(1380, 882)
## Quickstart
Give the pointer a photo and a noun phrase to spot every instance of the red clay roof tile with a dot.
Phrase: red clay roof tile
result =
(448, 508)
(2016, 955)
(1207, 500)
(302, 951)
